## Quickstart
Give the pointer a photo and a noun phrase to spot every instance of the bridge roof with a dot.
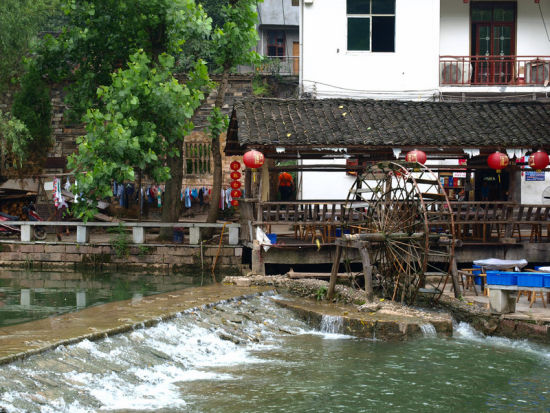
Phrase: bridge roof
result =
(315, 126)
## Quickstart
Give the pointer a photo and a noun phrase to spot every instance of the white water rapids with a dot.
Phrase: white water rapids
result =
(256, 356)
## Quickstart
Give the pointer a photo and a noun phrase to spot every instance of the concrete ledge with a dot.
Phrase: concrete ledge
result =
(94, 323)
(376, 325)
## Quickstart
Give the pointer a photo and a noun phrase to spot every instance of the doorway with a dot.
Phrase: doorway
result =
(490, 187)
(493, 34)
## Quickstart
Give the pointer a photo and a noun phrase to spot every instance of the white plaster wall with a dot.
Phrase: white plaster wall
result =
(531, 191)
(325, 185)
(531, 36)
(454, 36)
(413, 66)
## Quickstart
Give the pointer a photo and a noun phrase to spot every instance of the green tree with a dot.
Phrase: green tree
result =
(14, 141)
(101, 35)
(32, 106)
(20, 22)
(146, 114)
(232, 46)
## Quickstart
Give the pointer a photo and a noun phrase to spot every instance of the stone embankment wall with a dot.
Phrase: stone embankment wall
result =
(162, 259)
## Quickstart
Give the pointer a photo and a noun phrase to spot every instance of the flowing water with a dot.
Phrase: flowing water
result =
(253, 356)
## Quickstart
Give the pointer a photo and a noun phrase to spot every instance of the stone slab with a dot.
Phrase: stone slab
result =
(23, 340)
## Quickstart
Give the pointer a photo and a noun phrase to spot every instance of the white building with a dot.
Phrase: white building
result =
(425, 50)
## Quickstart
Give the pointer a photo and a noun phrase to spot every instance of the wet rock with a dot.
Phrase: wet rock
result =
(227, 337)
(370, 307)
(160, 354)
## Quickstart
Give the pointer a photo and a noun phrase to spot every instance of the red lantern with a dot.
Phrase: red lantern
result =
(416, 156)
(253, 159)
(235, 165)
(236, 193)
(234, 203)
(235, 184)
(498, 161)
(538, 160)
(235, 175)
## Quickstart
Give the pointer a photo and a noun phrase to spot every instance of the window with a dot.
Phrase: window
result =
(276, 43)
(197, 157)
(371, 25)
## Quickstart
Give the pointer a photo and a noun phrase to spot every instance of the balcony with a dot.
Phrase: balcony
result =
(494, 70)
(275, 65)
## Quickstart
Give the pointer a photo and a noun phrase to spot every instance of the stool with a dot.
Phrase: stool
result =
(515, 228)
(522, 293)
(534, 298)
(536, 231)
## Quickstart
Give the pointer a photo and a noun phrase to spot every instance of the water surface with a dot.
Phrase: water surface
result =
(33, 295)
(253, 356)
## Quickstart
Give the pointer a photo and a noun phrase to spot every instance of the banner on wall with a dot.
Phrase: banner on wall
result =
(534, 176)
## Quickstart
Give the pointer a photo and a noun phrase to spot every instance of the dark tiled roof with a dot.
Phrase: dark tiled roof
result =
(349, 122)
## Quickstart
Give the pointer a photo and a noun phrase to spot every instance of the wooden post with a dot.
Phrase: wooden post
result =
(248, 183)
(334, 272)
(367, 271)
(454, 278)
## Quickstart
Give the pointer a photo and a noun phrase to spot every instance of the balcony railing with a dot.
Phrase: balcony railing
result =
(494, 70)
(275, 65)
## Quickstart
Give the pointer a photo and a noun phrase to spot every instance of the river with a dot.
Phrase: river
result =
(253, 356)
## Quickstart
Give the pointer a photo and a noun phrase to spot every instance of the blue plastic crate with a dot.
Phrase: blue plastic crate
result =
(530, 279)
(477, 278)
(501, 278)
(546, 280)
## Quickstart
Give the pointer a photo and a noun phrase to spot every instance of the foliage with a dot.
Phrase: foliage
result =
(121, 241)
(260, 87)
(32, 106)
(234, 41)
(101, 36)
(321, 293)
(14, 141)
(145, 117)
(20, 21)
(232, 45)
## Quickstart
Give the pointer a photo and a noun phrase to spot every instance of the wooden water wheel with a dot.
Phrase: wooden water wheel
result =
(403, 212)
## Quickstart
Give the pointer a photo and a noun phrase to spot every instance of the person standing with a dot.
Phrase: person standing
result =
(286, 186)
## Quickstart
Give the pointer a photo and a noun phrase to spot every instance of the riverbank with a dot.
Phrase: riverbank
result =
(383, 320)
(516, 326)
(120, 255)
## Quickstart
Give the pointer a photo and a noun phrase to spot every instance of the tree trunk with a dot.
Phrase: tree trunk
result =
(171, 203)
(213, 208)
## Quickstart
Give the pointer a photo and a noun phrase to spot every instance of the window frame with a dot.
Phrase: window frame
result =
(275, 45)
(370, 17)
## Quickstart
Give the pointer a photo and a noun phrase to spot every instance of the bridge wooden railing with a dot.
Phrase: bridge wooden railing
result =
(473, 220)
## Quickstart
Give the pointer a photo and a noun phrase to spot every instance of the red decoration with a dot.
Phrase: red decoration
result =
(416, 156)
(253, 159)
(235, 184)
(236, 193)
(235, 175)
(538, 160)
(234, 203)
(498, 161)
(235, 165)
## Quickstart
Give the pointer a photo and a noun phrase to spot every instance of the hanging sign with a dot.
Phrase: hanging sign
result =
(534, 176)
